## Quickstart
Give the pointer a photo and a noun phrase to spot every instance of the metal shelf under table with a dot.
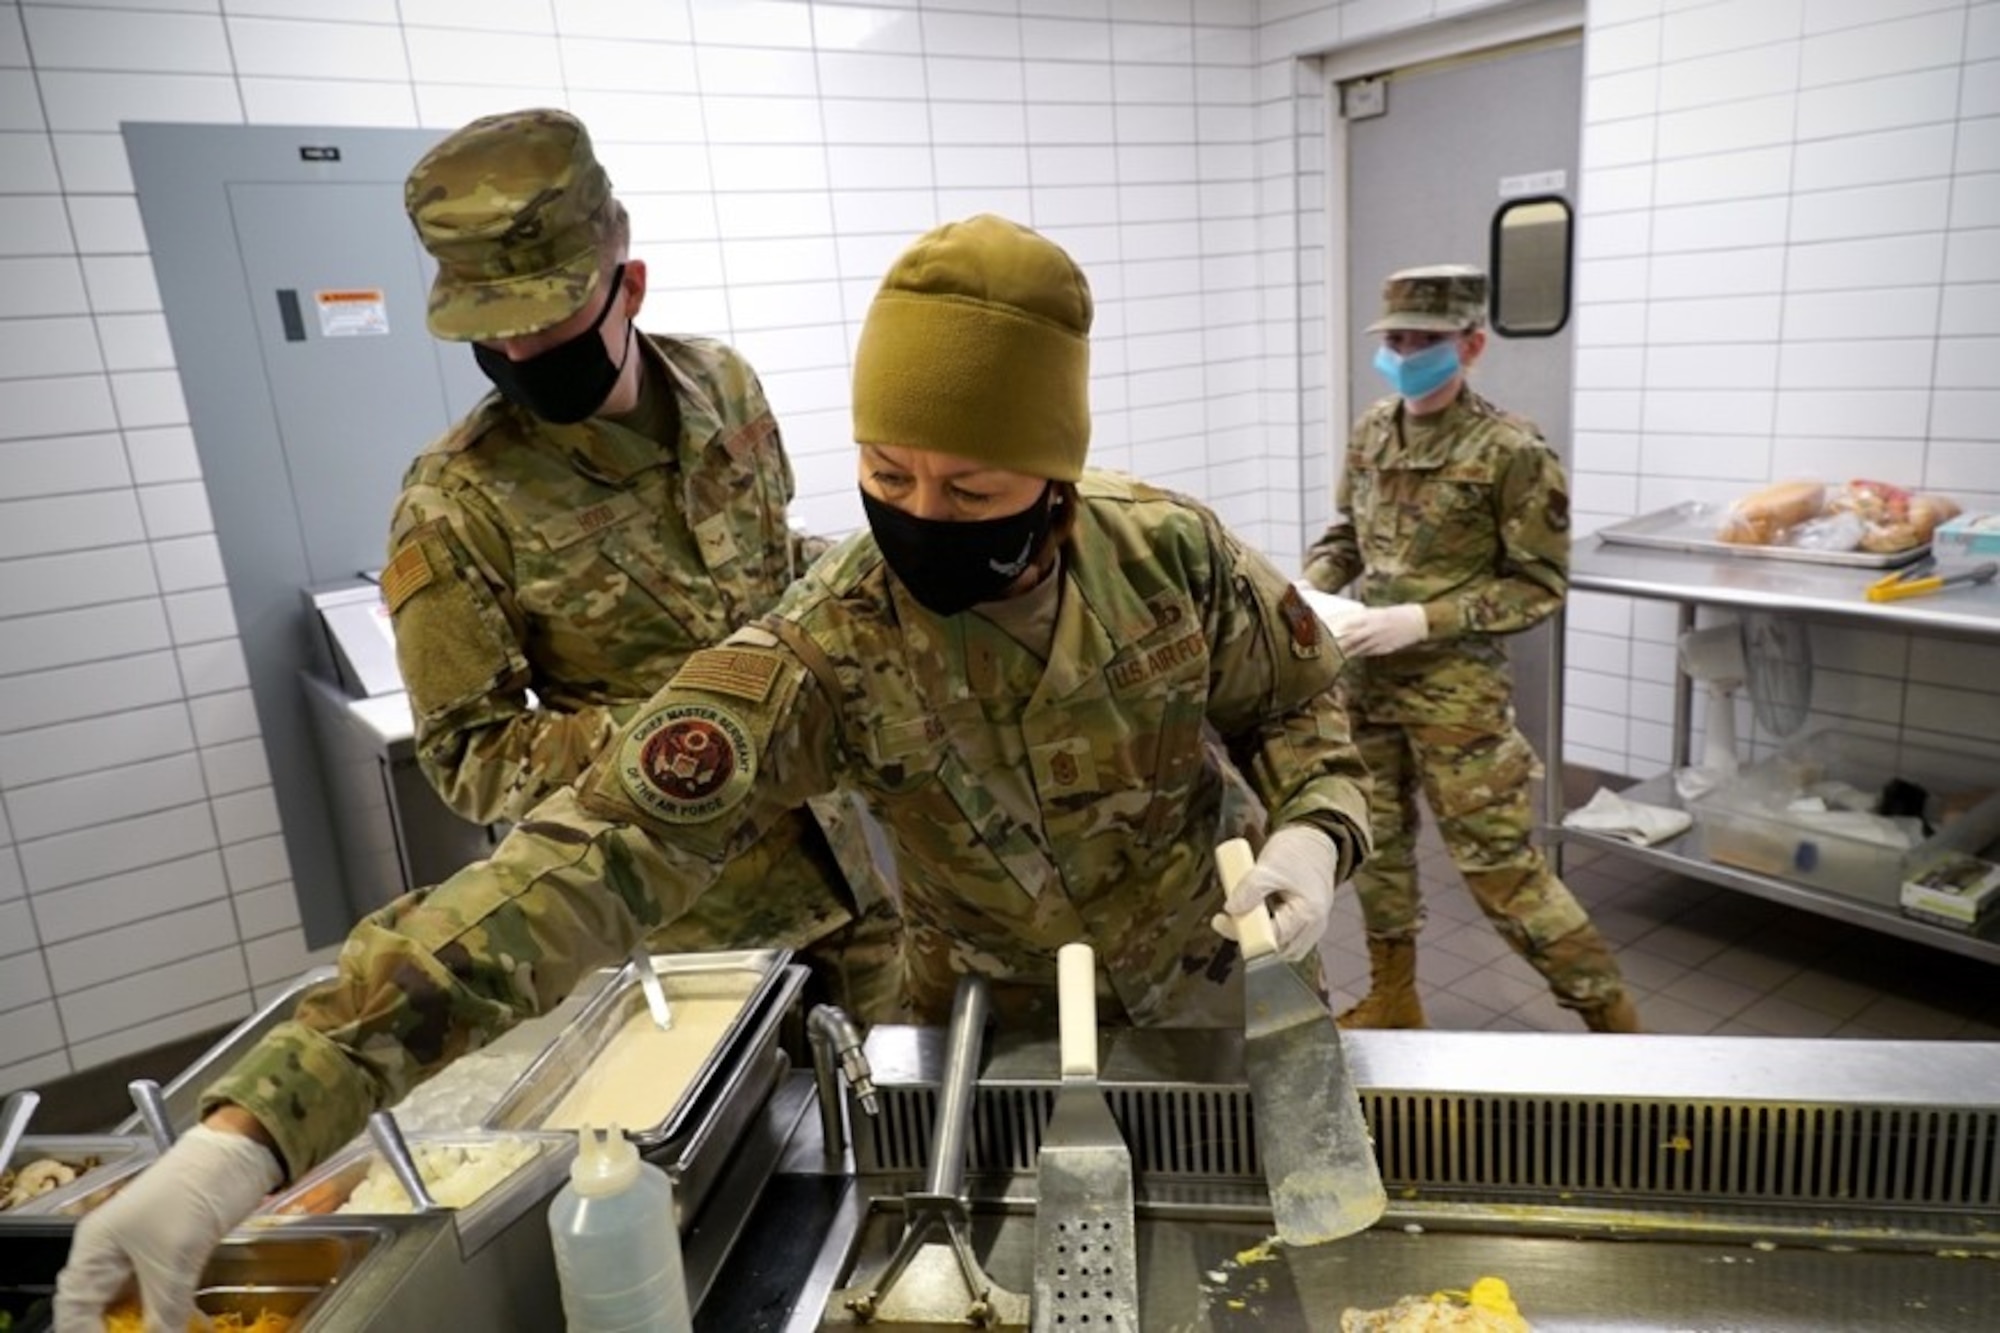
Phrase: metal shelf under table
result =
(1683, 855)
(1819, 591)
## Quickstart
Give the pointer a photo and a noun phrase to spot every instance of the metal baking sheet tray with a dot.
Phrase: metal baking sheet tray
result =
(745, 975)
(1691, 525)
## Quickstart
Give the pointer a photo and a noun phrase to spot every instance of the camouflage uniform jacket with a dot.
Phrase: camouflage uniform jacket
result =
(583, 562)
(1466, 514)
(1029, 804)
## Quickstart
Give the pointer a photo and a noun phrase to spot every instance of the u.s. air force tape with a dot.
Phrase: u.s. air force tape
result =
(688, 762)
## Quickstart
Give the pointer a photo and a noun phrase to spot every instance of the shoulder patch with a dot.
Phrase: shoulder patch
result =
(687, 762)
(1300, 620)
(743, 673)
(1166, 609)
(406, 575)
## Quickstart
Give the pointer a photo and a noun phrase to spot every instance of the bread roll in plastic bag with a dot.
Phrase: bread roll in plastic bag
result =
(1762, 517)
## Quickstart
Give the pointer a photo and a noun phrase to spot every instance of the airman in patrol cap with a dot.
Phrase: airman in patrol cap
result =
(1018, 666)
(1453, 524)
(615, 505)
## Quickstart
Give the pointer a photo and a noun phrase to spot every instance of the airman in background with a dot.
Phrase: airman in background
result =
(617, 504)
(1453, 526)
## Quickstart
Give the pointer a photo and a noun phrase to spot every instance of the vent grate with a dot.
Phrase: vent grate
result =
(1931, 1158)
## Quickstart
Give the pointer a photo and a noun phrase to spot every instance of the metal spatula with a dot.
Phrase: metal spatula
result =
(1311, 1133)
(1086, 1247)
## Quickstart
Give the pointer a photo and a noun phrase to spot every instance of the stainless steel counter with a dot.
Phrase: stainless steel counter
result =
(1690, 579)
(1773, 585)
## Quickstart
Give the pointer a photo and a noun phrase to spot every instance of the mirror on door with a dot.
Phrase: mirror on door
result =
(1530, 267)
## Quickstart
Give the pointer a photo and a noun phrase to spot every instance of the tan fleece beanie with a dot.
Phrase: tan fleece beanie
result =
(977, 344)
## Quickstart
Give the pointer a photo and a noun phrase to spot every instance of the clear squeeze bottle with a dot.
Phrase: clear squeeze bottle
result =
(618, 1252)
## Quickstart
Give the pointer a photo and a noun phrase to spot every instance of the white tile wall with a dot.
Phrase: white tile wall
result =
(1815, 178)
(1853, 119)
(80, 912)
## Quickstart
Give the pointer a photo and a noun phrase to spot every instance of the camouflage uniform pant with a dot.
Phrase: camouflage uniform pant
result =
(790, 882)
(1477, 781)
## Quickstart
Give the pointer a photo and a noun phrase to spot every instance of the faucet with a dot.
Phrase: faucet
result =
(836, 1048)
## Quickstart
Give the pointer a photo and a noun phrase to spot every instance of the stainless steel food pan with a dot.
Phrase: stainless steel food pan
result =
(748, 976)
(527, 1186)
(118, 1158)
(295, 1273)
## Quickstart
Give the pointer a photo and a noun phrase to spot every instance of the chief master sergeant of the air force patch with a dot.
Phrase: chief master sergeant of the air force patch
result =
(688, 762)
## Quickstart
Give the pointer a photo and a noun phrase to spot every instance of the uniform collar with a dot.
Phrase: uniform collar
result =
(1394, 440)
(1101, 616)
(603, 449)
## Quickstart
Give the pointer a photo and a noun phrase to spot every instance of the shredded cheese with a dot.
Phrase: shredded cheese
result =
(129, 1319)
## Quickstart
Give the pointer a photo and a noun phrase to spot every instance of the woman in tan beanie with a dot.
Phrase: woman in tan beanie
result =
(1057, 690)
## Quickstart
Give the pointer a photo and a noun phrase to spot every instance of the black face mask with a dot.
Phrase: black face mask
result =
(569, 381)
(948, 566)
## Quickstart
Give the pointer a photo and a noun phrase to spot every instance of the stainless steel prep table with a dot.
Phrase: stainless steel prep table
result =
(1816, 591)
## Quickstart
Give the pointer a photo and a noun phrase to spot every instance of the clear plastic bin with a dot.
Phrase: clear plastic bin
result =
(1746, 823)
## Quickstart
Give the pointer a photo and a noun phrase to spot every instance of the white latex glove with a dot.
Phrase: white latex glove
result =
(159, 1230)
(1294, 877)
(1384, 629)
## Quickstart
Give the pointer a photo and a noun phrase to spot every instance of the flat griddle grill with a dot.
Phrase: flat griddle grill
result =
(1615, 1182)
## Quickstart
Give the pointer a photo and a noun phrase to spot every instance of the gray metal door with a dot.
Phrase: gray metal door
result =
(1424, 182)
(294, 294)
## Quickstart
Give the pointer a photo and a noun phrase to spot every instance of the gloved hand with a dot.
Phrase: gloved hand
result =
(1384, 629)
(159, 1229)
(1294, 877)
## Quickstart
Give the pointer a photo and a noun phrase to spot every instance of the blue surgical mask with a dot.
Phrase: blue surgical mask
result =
(1419, 373)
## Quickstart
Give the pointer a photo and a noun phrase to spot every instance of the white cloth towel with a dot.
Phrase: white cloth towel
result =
(1641, 825)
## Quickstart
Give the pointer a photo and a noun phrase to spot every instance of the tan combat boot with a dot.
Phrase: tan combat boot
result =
(1617, 1014)
(1392, 989)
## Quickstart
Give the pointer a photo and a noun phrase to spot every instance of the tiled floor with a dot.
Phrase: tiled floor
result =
(1699, 959)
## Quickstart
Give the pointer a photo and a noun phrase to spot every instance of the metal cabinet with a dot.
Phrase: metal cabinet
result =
(394, 831)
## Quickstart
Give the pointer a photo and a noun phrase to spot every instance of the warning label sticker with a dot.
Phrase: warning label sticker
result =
(352, 313)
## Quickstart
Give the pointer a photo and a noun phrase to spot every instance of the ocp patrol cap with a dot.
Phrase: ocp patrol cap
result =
(1439, 298)
(515, 208)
